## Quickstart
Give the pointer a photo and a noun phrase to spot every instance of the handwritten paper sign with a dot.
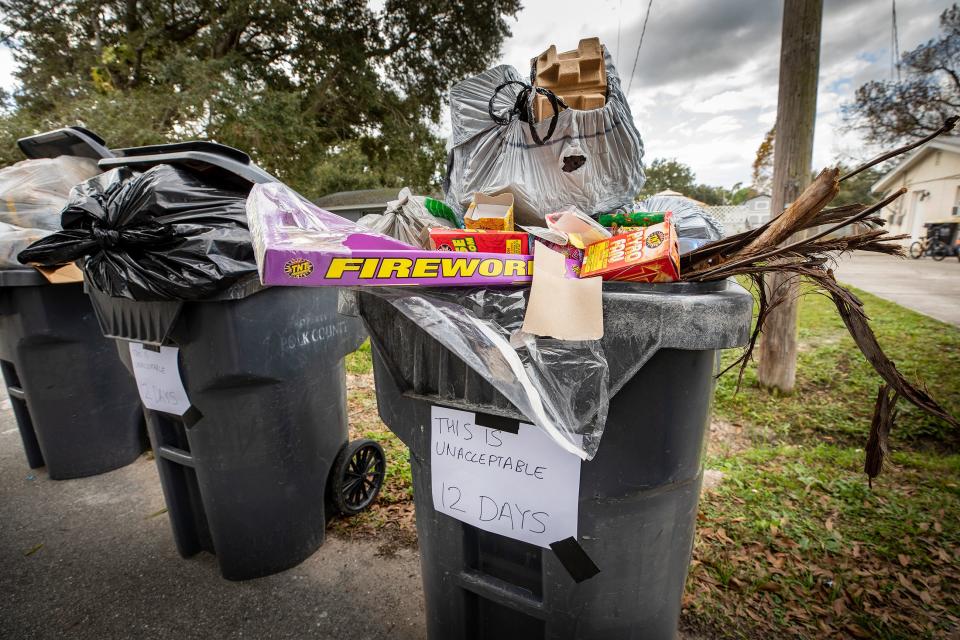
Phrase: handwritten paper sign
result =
(158, 379)
(521, 485)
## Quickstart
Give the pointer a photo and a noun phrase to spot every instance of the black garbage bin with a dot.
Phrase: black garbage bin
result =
(637, 498)
(253, 472)
(77, 409)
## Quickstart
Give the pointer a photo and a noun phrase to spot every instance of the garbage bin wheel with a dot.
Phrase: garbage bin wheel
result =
(357, 476)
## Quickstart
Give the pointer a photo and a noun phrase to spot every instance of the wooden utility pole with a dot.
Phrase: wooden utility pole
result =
(792, 159)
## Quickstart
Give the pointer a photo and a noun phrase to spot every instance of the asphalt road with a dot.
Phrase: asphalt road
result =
(107, 568)
(931, 288)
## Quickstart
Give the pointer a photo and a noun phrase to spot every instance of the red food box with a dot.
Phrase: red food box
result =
(649, 254)
(475, 240)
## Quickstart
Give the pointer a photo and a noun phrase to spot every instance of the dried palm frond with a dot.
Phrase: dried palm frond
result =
(767, 250)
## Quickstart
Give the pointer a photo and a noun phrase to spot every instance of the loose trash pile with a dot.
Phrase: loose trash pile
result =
(531, 173)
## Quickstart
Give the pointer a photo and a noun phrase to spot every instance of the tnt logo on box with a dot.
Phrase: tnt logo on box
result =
(298, 268)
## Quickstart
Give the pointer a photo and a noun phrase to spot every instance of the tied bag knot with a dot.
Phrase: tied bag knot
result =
(523, 108)
(106, 238)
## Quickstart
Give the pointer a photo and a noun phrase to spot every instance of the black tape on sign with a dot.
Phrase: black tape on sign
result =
(150, 347)
(497, 422)
(574, 559)
(191, 417)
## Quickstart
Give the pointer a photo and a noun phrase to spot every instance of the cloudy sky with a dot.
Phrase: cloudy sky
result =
(705, 88)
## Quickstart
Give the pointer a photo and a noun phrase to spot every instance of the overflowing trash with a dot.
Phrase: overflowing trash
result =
(33, 192)
(551, 366)
(548, 168)
(537, 303)
(531, 174)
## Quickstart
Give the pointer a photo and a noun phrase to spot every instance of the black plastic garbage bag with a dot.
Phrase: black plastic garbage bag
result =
(164, 234)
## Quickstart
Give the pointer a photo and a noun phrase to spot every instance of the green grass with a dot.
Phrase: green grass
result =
(360, 361)
(836, 387)
(794, 542)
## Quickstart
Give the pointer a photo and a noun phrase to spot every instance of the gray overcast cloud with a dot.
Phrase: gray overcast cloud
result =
(705, 88)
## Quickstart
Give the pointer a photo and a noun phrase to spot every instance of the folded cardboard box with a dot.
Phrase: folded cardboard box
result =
(490, 212)
(474, 240)
(649, 254)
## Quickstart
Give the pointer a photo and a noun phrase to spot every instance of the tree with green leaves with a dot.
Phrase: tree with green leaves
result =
(856, 190)
(325, 94)
(763, 163)
(926, 93)
(670, 174)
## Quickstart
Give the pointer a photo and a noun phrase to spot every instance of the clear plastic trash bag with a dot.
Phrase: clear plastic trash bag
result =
(33, 192)
(690, 219)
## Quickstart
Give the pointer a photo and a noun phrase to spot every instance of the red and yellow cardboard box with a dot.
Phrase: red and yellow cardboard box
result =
(649, 254)
(479, 241)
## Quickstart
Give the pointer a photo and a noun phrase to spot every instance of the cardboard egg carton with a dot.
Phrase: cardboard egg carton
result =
(582, 101)
(578, 76)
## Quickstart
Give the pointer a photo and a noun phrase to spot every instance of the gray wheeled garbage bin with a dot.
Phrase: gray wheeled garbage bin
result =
(638, 496)
(77, 409)
(256, 468)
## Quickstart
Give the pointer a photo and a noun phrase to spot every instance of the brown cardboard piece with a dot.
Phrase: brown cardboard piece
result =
(64, 274)
(561, 307)
(578, 76)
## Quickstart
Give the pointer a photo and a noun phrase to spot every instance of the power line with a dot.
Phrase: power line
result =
(639, 44)
(619, 18)
(894, 46)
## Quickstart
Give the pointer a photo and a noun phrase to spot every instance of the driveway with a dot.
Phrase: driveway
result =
(928, 287)
(94, 558)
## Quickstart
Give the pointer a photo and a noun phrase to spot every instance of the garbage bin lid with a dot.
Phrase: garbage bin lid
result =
(203, 157)
(22, 278)
(68, 141)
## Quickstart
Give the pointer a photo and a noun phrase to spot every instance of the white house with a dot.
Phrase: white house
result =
(931, 175)
(758, 211)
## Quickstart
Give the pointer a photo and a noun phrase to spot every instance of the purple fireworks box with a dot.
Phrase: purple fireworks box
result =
(298, 244)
